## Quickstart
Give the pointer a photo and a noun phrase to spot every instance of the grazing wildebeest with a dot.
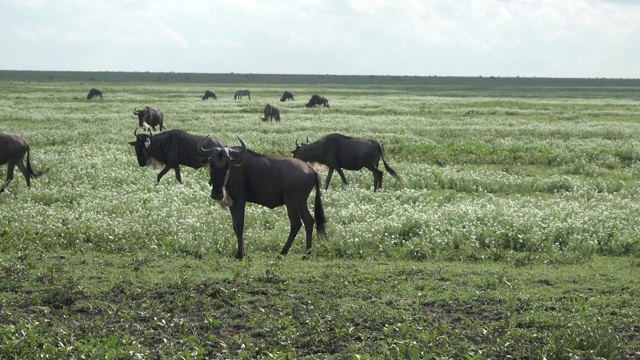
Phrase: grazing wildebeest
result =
(339, 152)
(240, 176)
(271, 112)
(12, 151)
(317, 100)
(150, 117)
(94, 93)
(209, 94)
(287, 95)
(170, 149)
(240, 93)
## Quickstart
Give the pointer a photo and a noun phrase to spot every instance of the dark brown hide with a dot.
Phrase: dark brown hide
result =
(271, 112)
(150, 116)
(240, 176)
(93, 93)
(317, 100)
(339, 152)
(13, 148)
(171, 149)
(209, 94)
(287, 95)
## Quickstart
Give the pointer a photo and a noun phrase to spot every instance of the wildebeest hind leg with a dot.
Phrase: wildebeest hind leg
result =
(11, 166)
(344, 179)
(27, 175)
(177, 169)
(307, 220)
(296, 224)
(377, 178)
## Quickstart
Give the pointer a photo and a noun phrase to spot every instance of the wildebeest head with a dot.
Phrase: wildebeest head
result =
(300, 151)
(220, 161)
(142, 142)
(141, 115)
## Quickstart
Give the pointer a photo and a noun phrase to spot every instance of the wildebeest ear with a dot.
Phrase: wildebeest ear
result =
(133, 143)
(147, 142)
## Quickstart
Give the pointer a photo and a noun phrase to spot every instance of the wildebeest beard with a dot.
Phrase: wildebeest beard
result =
(225, 201)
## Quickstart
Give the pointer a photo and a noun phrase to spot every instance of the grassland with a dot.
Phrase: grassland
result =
(516, 234)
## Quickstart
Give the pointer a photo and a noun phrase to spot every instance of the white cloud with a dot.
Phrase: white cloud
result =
(469, 37)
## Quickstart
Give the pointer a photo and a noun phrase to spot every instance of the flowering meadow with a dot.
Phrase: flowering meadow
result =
(498, 178)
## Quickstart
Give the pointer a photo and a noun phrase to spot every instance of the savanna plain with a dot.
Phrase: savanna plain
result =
(516, 235)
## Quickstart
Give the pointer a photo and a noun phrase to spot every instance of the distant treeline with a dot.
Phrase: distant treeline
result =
(237, 78)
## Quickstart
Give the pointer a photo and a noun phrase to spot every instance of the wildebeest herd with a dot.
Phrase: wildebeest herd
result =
(239, 175)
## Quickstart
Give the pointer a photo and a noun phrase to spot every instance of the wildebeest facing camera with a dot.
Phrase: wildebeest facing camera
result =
(240, 176)
(150, 117)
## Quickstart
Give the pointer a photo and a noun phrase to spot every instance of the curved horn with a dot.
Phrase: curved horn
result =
(135, 132)
(201, 148)
(297, 142)
(244, 146)
(307, 139)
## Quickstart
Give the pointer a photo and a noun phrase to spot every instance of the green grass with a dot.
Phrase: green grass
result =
(515, 235)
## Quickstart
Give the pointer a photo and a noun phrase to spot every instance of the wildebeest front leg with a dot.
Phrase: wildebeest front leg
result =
(296, 224)
(237, 218)
(162, 173)
(326, 186)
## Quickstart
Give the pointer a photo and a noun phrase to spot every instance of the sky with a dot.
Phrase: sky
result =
(506, 38)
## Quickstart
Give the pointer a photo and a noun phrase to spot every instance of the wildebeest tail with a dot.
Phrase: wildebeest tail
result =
(321, 220)
(389, 169)
(29, 169)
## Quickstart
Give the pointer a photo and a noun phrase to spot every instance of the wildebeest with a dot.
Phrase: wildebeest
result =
(150, 117)
(339, 152)
(12, 151)
(170, 149)
(209, 94)
(94, 93)
(240, 93)
(318, 100)
(240, 176)
(270, 112)
(287, 95)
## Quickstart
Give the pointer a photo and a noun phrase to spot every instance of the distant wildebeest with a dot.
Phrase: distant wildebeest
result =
(150, 117)
(240, 93)
(240, 176)
(339, 152)
(287, 95)
(271, 112)
(94, 93)
(318, 100)
(12, 151)
(169, 150)
(209, 94)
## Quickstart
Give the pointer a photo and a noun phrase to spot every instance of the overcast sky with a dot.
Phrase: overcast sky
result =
(543, 38)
